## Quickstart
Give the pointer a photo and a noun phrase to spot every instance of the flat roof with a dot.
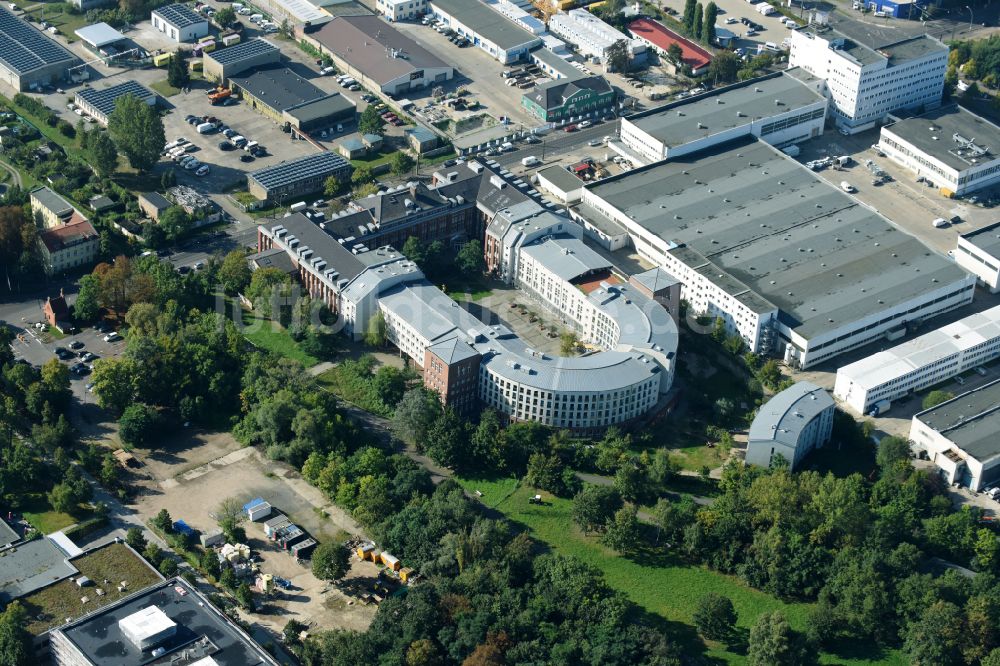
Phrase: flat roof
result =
(723, 109)
(568, 258)
(30, 566)
(202, 630)
(322, 244)
(24, 48)
(489, 24)
(941, 343)
(278, 87)
(368, 42)
(748, 216)
(7, 535)
(957, 137)
(99, 34)
(561, 178)
(304, 11)
(105, 99)
(331, 104)
(292, 171)
(557, 62)
(179, 16)
(242, 51)
(971, 421)
(869, 42)
(786, 414)
(52, 201)
(986, 239)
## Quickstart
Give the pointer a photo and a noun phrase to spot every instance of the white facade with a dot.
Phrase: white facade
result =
(865, 84)
(492, 32)
(922, 362)
(979, 253)
(960, 162)
(790, 424)
(591, 36)
(401, 10)
(179, 32)
(518, 16)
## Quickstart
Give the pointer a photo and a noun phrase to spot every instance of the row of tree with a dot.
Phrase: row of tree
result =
(699, 21)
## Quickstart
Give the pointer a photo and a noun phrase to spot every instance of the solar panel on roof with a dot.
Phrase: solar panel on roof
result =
(300, 169)
(24, 48)
(179, 16)
(104, 100)
(237, 52)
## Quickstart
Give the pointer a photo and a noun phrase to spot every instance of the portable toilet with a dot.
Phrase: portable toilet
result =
(256, 509)
(390, 562)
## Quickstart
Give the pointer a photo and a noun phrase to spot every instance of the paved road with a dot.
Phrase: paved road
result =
(14, 173)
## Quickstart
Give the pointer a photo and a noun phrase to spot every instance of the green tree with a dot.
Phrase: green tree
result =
(362, 175)
(469, 260)
(622, 532)
(935, 638)
(567, 343)
(87, 305)
(708, 26)
(230, 515)
(723, 69)
(137, 130)
(697, 25)
(225, 17)
(992, 659)
(377, 333)
(773, 643)
(891, 450)
(244, 596)
(228, 577)
(715, 617)
(617, 56)
(234, 273)
(135, 539)
(594, 506)
(689, 9)
(163, 522)
(545, 472)
(178, 75)
(175, 222)
(104, 154)
(330, 561)
(332, 186)
(167, 567)
(415, 414)
(400, 163)
(935, 398)
(210, 563)
(137, 424)
(370, 122)
(15, 640)
(675, 53)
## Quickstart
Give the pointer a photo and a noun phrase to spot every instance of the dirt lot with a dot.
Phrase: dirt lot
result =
(193, 475)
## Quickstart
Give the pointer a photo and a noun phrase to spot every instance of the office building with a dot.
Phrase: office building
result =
(180, 23)
(962, 437)
(29, 59)
(487, 29)
(221, 64)
(660, 38)
(781, 108)
(791, 424)
(52, 210)
(868, 78)
(401, 10)
(172, 622)
(297, 177)
(73, 245)
(979, 253)
(99, 103)
(874, 382)
(379, 56)
(951, 147)
(592, 37)
(565, 99)
(792, 265)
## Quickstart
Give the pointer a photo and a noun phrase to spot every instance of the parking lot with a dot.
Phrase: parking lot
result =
(910, 205)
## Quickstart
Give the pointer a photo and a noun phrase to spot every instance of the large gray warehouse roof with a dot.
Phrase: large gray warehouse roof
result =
(722, 109)
(24, 48)
(324, 107)
(31, 566)
(104, 99)
(366, 42)
(490, 24)
(293, 171)
(971, 421)
(943, 134)
(180, 16)
(986, 239)
(278, 87)
(744, 213)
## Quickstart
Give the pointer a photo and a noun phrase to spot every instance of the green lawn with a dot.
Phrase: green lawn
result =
(57, 14)
(164, 88)
(52, 605)
(374, 161)
(660, 584)
(44, 518)
(271, 336)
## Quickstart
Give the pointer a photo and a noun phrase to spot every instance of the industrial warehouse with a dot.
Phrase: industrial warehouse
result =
(294, 178)
(28, 58)
(222, 64)
(282, 95)
(100, 102)
(791, 264)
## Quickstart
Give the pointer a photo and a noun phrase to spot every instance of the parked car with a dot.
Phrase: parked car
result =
(112, 337)
(570, 128)
(203, 170)
(246, 158)
(76, 344)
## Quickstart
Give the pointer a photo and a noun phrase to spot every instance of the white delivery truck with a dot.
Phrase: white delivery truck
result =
(530, 161)
(295, 207)
(765, 9)
(205, 128)
(940, 223)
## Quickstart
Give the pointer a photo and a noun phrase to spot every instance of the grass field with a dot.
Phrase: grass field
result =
(44, 518)
(51, 606)
(164, 88)
(270, 335)
(58, 14)
(660, 584)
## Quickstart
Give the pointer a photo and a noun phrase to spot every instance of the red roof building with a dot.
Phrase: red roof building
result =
(69, 246)
(659, 37)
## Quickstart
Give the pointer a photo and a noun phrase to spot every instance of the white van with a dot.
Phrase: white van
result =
(847, 187)
(939, 223)
(506, 146)
(530, 161)
(771, 46)
(205, 128)
(250, 146)
(295, 207)
(254, 18)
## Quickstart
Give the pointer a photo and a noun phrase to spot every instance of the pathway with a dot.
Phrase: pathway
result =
(14, 173)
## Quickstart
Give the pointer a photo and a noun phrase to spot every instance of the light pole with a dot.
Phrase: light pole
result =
(970, 17)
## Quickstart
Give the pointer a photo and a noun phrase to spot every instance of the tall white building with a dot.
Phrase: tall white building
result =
(919, 363)
(865, 83)
(591, 36)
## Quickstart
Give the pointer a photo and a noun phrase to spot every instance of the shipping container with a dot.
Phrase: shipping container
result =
(303, 549)
(256, 509)
(275, 524)
(161, 60)
(229, 40)
(390, 562)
